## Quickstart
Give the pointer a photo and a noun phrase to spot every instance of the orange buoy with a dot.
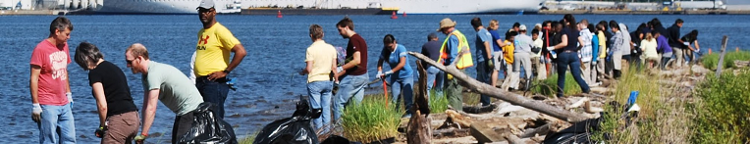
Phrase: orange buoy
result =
(279, 15)
(709, 50)
(737, 49)
(393, 16)
(404, 14)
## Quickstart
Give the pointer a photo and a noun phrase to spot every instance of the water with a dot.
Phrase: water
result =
(268, 80)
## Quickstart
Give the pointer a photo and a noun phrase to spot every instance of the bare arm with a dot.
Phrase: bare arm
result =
(34, 83)
(355, 61)
(380, 64)
(500, 42)
(401, 63)
(149, 109)
(562, 44)
(333, 69)
(487, 48)
(67, 82)
(239, 54)
(101, 102)
(308, 68)
(697, 47)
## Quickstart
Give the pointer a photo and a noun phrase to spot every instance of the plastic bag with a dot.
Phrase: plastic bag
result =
(294, 130)
(207, 128)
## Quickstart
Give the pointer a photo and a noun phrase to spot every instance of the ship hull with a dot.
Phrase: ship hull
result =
(333, 7)
(367, 11)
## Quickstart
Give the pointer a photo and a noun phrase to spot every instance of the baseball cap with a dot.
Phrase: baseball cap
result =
(206, 4)
(522, 27)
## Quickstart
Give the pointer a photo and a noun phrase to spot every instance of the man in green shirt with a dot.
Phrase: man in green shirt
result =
(164, 83)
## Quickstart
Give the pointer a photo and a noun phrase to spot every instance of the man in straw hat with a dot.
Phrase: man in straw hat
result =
(454, 48)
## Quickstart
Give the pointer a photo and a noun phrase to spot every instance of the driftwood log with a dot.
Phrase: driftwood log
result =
(491, 91)
(741, 64)
(419, 131)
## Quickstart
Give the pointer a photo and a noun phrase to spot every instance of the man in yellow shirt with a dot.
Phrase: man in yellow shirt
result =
(212, 65)
(321, 62)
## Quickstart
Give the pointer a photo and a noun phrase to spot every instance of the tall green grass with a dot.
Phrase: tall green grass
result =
(438, 104)
(724, 109)
(711, 61)
(371, 120)
(663, 118)
(549, 86)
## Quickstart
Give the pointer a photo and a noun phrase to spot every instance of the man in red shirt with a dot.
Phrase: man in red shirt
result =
(49, 85)
(353, 74)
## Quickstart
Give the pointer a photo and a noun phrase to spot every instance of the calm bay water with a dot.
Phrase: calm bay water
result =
(268, 82)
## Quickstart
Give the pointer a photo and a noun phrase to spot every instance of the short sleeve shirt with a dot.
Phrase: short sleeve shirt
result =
(482, 36)
(495, 37)
(176, 91)
(116, 90)
(213, 49)
(53, 77)
(357, 44)
(508, 51)
(321, 54)
(393, 58)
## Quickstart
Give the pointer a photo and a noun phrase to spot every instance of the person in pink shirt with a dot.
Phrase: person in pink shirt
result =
(49, 85)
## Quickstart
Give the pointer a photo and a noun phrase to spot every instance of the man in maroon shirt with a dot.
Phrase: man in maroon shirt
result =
(353, 74)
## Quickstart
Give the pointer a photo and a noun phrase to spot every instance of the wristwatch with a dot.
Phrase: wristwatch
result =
(226, 71)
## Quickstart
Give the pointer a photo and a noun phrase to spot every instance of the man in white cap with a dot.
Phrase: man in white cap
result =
(455, 44)
(522, 56)
(212, 64)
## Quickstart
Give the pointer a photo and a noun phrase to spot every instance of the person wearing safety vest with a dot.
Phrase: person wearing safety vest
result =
(454, 48)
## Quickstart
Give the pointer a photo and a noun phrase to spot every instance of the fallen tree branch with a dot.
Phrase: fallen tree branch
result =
(491, 91)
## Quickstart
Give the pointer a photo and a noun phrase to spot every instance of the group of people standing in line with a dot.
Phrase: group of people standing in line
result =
(119, 121)
(565, 43)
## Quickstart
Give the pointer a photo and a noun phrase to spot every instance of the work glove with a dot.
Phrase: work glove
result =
(140, 138)
(70, 99)
(686, 43)
(550, 48)
(490, 64)
(100, 132)
(383, 75)
(36, 112)
(339, 69)
(380, 74)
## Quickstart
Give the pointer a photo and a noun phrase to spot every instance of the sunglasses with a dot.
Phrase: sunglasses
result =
(129, 61)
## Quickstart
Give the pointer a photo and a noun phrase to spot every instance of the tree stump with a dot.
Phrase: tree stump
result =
(419, 131)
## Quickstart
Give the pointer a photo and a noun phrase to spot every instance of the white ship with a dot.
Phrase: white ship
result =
(404, 6)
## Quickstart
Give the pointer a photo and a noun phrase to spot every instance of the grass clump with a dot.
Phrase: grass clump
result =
(371, 120)
(438, 104)
(723, 110)
(663, 117)
(712, 60)
(549, 86)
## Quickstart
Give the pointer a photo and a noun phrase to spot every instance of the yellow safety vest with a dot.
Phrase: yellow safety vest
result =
(464, 51)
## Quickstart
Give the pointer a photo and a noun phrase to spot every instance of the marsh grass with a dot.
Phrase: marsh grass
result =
(370, 120)
(663, 118)
(711, 61)
(548, 86)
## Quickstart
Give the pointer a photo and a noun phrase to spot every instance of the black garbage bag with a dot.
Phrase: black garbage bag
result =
(207, 128)
(580, 132)
(294, 130)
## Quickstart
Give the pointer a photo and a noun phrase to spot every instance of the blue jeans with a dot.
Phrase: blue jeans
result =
(435, 78)
(351, 87)
(54, 117)
(214, 92)
(320, 93)
(484, 74)
(403, 86)
(564, 60)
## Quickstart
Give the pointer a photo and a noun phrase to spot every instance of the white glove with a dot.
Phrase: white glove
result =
(388, 73)
(380, 74)
(37, 108)
(551, 48)
(339, 69)
(697, 50)
(686, 43)
(70, 98)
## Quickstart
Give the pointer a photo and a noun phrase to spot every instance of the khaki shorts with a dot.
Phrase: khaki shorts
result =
(497, 59)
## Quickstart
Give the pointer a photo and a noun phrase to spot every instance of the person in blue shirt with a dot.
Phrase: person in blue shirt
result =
(401, 79)
(497, 52)
(485, 66)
